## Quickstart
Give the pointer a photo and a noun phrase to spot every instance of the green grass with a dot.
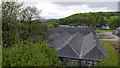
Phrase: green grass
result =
(112, 60)
(114, 43)
(114, 17)
(0, 56)
(98, 30)
(106, 38)
(103, 35)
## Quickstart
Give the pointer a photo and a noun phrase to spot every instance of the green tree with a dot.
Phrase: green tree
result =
(114, 23)
(30, 13)
(10, 12)
(101, 21)
(25, 47)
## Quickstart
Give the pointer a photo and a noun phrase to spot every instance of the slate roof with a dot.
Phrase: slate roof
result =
(77, 42)
(117, 31)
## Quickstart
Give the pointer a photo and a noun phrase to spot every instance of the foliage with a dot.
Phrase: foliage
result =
(10, 11)
(52, 24)
(37, 31)
(30, 54)
(114, 17)
(24, 39)
(0, 55)
(55, 24)
(95, 20)
(112, 59)
(114, 23)
(73, 63)
(18, 24)
(49, 25)
(29, 14)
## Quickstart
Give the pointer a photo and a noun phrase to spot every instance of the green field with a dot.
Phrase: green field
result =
(0, 56)
(98, 30)
(106, 38)
(114, 17)
(111, 17)
(102, 35)
(112, 60)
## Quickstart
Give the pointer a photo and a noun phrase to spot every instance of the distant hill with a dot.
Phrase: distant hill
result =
(92, 19)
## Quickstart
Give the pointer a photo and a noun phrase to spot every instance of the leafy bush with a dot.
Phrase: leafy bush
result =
(73, 63)
(30, 54)
(17, 50)
(0, 55)
(55, 25)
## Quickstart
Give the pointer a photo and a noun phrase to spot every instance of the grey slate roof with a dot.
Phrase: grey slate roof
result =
(117, 31)
(77, 42)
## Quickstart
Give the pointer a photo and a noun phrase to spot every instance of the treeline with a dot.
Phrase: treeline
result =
(24, 37)
(94, 20)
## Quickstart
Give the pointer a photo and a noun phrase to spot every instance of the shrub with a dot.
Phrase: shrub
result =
(30, 54)
(55, 25)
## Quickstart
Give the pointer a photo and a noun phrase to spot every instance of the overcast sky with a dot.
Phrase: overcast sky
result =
(63, 8)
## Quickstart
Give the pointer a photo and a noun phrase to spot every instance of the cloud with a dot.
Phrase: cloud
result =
(64, 9)
(69, 0)
(50, 10)
(110, 5)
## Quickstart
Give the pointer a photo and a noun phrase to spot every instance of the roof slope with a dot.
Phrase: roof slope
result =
(77, 42)
(117, 31)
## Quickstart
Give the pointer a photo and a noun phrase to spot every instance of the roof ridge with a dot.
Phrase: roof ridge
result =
(82, 48)
(91, 47)
(67, 41)
(82, 44)
(73, 49)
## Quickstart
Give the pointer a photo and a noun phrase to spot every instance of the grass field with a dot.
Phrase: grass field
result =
(98, 30)
(103, 35)
(112, 60)
(114, 17)
(106, 38)
(0, 56)
(115, 43)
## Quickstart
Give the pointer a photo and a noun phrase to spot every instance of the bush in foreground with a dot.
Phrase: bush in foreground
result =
(30, 54)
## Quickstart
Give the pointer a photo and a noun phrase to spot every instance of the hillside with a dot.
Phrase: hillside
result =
(95, 20)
